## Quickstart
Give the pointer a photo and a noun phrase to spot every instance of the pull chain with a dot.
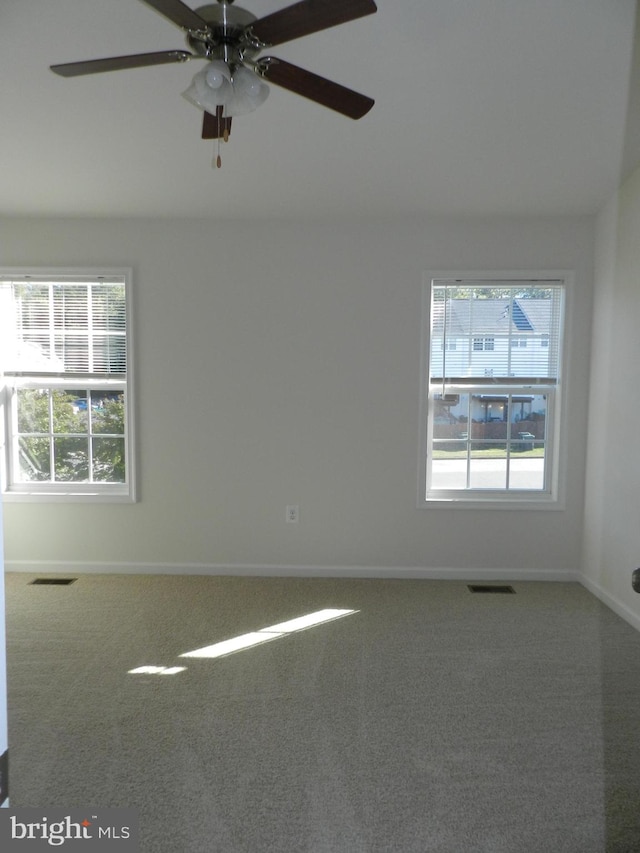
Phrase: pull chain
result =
(220, 118)
(222, 132)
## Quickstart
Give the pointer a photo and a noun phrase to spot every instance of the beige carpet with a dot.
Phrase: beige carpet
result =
(432, 719)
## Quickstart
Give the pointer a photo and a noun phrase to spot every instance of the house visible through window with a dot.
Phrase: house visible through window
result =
(521, 341)
(66, 385)
(490, 430)
(480, 344)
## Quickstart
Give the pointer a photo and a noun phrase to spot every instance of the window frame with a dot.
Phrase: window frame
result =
(68, 491)
(553, 495)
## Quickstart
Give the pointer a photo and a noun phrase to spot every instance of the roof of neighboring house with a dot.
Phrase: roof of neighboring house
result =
(494, 316)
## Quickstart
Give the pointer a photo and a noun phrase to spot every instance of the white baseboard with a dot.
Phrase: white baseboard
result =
(261, 570)
(612, 603)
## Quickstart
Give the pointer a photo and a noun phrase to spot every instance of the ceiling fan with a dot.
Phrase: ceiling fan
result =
(231, 39)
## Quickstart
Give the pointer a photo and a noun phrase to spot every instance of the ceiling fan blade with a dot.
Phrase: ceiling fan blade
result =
(306, 17)
(115, 63)
(179, 13)
(215, 126)
(309, 85)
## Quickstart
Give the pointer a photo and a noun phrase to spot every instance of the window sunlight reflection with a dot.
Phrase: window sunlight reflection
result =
(227, 647)
(156, 670)
(264, 635)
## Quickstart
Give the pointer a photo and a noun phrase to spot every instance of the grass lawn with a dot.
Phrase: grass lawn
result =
(489, 453)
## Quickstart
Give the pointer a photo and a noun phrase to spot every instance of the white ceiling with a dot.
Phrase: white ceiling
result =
(502, 107)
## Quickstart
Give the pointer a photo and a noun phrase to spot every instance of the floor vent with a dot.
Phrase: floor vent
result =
(54, 581)
(495, 588)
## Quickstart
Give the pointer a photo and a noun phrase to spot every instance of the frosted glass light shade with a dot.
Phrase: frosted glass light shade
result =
(211, 87)
(216, 73)
(214, 86)
(248, 92)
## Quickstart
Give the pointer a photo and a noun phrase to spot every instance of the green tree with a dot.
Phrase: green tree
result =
(58, 424)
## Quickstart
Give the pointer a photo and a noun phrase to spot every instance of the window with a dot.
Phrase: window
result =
(518, 341)
(480, 344)
(490, 423)
(66, 391)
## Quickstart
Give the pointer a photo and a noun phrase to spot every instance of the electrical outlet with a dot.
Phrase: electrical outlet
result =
(293, 514)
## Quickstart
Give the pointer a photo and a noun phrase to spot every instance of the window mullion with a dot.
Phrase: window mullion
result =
(508, 445)
(469, 441)
(89, 330)
(445, 339)
(90, 435)
(509, 333)
(470, 333)
(51, 320)
(14, 435)
(52, 443)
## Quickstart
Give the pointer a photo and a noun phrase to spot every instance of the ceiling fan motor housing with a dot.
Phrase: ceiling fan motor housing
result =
(227, 25)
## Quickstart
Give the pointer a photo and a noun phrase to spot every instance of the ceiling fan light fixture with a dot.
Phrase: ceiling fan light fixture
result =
(249, 92)
(247, 82)
(215, 86)
(206, 96)
(216, 73)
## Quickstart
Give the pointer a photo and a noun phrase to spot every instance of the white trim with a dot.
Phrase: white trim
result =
(554, 499)
(57, 495)
(485, 500)
(262, 570)
(68, 567)
(4, 733)
(612, 603)
(63, 273)
(80, 492)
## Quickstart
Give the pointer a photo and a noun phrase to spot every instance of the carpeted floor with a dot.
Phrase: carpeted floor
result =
(432, 719)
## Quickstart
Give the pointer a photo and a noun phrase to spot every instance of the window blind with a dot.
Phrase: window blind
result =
(56, 327)
(501, 333)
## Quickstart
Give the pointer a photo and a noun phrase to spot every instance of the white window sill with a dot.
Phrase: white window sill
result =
(58, 495)
(499, 502)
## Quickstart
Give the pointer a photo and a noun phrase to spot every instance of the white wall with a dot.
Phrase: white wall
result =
(4, 734)
(278, 363)
(612, 530)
